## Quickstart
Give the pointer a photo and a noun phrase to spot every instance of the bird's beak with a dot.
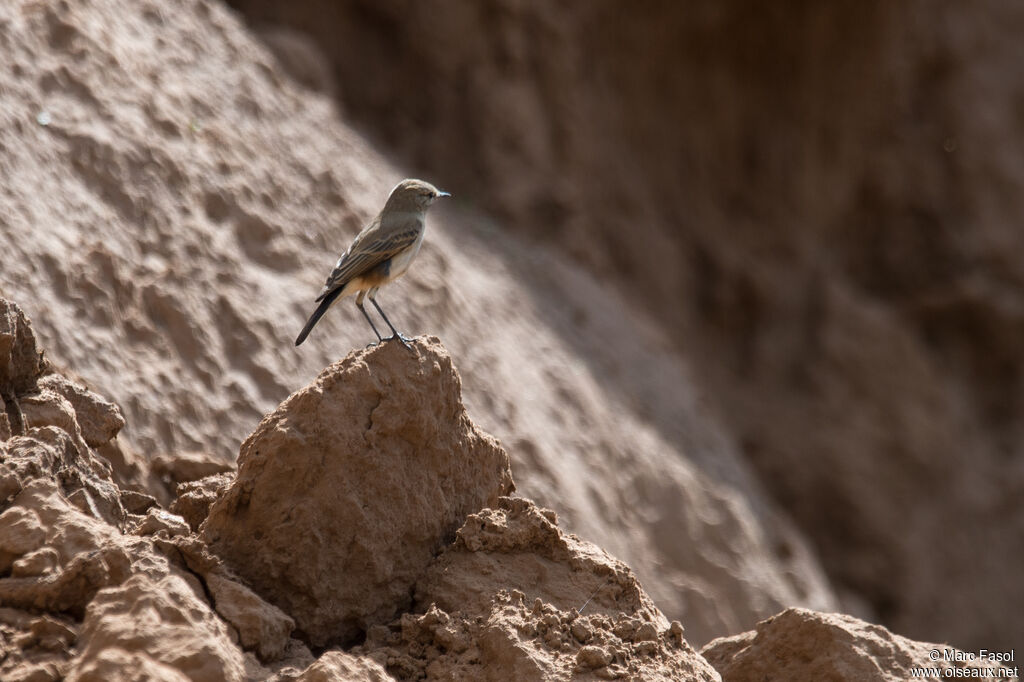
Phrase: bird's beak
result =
(442, 194)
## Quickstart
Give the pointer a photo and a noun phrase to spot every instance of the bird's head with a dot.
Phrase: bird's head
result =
(414, 194)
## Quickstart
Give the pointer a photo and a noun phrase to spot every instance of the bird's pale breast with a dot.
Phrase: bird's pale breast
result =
(400, 261)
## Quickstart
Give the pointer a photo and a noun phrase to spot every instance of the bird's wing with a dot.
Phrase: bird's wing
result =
(371, 248)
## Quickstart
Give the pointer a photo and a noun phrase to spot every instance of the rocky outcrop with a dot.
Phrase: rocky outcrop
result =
(450, 579)
(799, 644)
(338, 665)
(533, 641)
(516, 594)
(346, 492)
(92, 583)
(21, 364)
(196, 497)
(516, 546)
(155, 628)
(45, 437)
(444, 574)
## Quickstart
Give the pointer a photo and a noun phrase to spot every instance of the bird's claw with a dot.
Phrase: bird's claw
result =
(401, 337)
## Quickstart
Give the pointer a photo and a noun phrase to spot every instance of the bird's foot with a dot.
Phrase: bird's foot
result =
(401, 337)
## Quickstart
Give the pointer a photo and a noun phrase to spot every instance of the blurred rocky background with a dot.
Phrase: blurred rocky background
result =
(740, 288)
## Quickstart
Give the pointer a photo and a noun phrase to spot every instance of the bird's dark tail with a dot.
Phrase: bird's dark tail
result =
(317, 314)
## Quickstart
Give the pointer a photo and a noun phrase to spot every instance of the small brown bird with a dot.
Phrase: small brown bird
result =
(380, 253)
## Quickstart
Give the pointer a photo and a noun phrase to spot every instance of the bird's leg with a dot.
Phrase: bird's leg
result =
(359, 304)
(395, 334)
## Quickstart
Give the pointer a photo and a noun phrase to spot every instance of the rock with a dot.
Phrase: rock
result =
(55, 454)
(42, 561)
(48, 408)
(188, 466)
(196, 497)
(507, 596)
(47, 437)
(21, 364)
(312, 521)
(255, 624)
(146, 627)
(137, 503)
(34, 647)
(120, 665)
(581, 632)
(37, 672)
(132, 472)
(517, 546)
(89, 554)
(511, 639)
(338, 665)
(53, 634)
(62, 553)
(593, 657)
(799, 644)
(159, 521)
(261, 627)
(99, 420)
(647, 632)
(5, 422)
(21, 532)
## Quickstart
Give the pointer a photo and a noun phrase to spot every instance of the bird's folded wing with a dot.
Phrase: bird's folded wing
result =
(366, 254)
